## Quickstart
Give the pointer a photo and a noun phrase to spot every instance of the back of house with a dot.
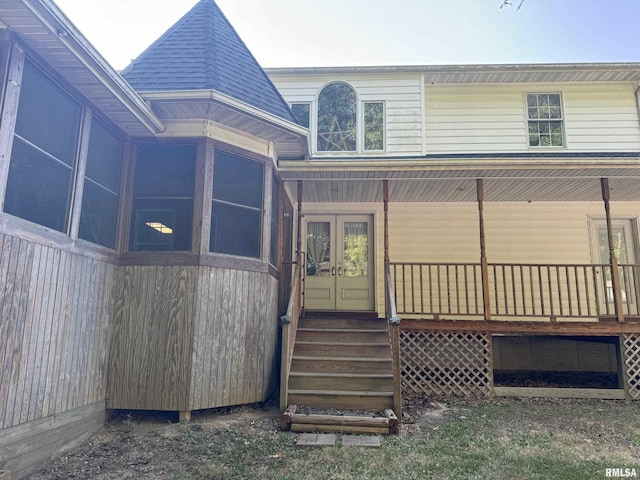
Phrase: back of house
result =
(156, 223)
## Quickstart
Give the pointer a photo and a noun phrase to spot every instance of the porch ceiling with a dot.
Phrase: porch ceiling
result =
(464, 190)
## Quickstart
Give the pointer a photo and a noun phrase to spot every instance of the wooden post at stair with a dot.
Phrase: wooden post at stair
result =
(390, 310)
(299, 224)
(299, 256)
(613, 261)
(484, 266)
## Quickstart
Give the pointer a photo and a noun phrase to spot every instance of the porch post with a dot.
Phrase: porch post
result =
(613, 261)
(484, 266)
(385, 200)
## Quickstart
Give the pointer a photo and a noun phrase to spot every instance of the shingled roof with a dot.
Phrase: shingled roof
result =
(202, 51)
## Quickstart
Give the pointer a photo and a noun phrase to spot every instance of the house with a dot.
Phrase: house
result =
(501, 207)
(156, 222)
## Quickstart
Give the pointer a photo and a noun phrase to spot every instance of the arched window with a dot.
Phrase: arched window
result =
(337, 116)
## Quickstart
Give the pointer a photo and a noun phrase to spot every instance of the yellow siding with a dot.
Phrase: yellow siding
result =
(492, 118)
(543, 232)
(516, 232)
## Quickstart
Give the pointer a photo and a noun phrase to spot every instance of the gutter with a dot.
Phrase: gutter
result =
(255, 113)
(638, 101)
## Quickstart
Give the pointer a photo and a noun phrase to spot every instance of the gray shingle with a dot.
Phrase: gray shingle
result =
(202, 51)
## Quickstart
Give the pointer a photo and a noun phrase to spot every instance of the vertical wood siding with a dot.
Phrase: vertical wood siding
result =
(150, 354)
(236, 338)
(401, 94)
(492, 118)
(192, 337)
(55, 313)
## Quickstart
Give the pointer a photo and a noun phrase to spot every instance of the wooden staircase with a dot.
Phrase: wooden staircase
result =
(341, 364)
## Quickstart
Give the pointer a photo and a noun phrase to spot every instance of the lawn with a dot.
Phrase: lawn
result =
(445, 439)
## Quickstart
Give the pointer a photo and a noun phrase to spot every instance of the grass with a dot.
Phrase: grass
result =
(482, 439)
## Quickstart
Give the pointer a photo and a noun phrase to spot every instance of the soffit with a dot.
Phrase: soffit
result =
(45, 29)
(290, 139)
(514, 73)
(460, 186)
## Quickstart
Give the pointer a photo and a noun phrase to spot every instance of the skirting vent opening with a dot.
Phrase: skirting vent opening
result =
(556, 362)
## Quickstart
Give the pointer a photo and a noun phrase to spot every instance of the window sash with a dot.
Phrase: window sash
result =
(373, 126)
(545, 120)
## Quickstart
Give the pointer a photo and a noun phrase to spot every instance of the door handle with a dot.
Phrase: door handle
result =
(339, 271)
(333, 271)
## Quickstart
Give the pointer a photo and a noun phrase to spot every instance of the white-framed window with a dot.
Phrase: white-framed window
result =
(337, 118)
(344, 123)
(545, 120)
(302, 112)
(373, 126)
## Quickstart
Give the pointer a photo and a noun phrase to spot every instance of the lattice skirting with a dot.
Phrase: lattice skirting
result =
(631, 359)
(446, 363)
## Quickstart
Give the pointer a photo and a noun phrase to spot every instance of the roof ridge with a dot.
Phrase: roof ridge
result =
(147, 51)
(263, 73)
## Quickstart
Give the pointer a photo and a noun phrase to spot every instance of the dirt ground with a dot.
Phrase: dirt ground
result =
(246, 442)
(136, 443)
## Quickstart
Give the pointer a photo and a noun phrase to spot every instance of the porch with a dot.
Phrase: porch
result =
(452, 311)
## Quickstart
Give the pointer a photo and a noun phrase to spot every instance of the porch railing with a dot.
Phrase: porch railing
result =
(394, 334)
(515, 290)
(289, 323)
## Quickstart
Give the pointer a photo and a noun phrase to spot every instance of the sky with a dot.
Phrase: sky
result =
(319, 33)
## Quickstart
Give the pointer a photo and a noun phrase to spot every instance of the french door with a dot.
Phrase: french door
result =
(339, 262)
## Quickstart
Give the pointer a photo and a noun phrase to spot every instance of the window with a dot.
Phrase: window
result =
(236, 213)
(373, 126)
(163, 198)
(275, 209)
(337, 114)
(302, 113)
(99, 214)
(43, 158)
(544, 114)
(343, 124)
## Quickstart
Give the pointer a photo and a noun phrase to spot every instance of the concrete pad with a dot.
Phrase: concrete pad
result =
(316, 440)
(360, 441)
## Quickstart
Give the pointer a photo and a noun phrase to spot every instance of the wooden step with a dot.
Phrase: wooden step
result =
(365, 401)
(341, 381)
(341, 349)
(323, 422)
(315, 363)
(342, 335)
(376, 323)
